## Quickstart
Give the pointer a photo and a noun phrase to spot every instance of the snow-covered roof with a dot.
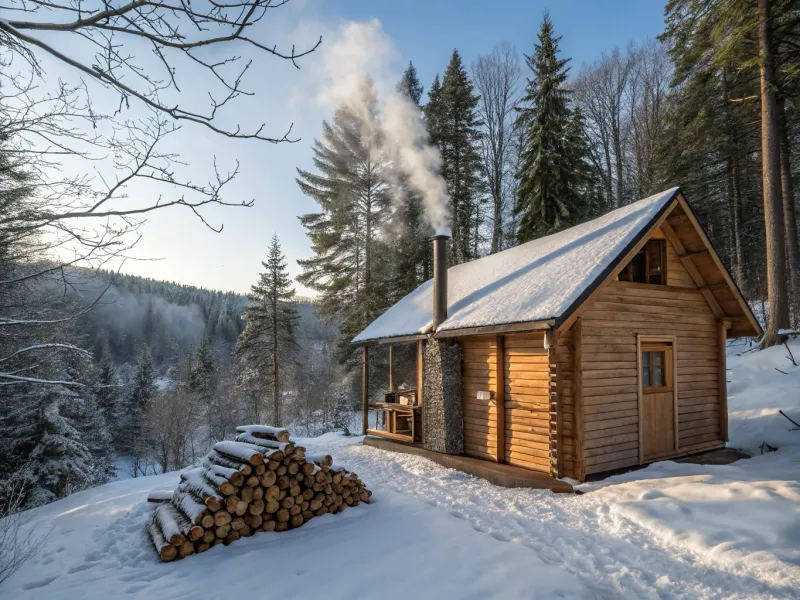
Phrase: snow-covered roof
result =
(536, 281)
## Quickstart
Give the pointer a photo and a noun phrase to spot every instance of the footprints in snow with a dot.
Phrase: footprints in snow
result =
(498, 535)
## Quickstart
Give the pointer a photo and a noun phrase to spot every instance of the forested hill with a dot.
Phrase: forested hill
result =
(171, 319)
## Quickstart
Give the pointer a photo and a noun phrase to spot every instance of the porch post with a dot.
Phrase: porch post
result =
(364, 389)
(391, 383)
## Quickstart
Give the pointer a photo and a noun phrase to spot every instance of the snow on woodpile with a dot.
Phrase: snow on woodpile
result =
(535, 281)
(253, 484)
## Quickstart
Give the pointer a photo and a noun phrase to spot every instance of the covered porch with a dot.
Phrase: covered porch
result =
(392, 389)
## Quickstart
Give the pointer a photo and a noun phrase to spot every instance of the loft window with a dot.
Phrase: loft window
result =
(649, 265)
(657, 367)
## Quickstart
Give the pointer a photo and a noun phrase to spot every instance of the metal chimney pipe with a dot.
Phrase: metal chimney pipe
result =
(439, 279)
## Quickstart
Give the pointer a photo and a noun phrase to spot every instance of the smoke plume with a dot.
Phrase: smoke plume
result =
(363, 50)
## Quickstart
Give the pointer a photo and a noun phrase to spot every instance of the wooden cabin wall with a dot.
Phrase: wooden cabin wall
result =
(565, 364)
(609, 381)
(479, 373)
(527, 401)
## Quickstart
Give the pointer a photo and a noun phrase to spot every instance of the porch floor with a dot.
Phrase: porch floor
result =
(498, 474)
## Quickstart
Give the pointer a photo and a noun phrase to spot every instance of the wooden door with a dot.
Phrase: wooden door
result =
(657, 420)
(526, 405)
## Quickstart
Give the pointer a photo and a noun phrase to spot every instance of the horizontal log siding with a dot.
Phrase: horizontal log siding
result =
(610, 324)
(479, 373)
(565, 362)
(527, 402)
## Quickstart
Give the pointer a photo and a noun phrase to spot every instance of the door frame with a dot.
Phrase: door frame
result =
(654, 339)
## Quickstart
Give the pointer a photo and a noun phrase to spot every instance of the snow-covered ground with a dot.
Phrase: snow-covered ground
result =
(669, 531)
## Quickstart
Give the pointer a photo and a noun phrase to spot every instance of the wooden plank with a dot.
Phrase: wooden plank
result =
(391, 385)
(528, 461)
(650, 307)
(479, 427)
(392, 436)
(589, 384)
(708, 407)
(610, 466)
(713, 436)
(639, 396)
(707, 421)
(723, 382)
(531, 387)
(599, 451)
(612, 440)
(364, 389)
(475, 453)
(608, 395)
(630, 403)
(577, 393)
(613, 456)
(654, 291)
(591, 435)
(596, 425)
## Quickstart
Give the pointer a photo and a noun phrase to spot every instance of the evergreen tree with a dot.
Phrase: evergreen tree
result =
(353, 191)
(269, 340)
(203, 387)
(60, 462)
(143, 389)
(554, 176)
(454, 127)
(202, 376)
(106, 391)
(410, 85)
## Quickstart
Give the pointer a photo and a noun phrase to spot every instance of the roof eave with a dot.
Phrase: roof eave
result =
(519, 327)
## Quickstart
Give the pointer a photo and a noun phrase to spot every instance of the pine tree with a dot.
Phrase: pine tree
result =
(143, 390)
(202, 376)
(353, 191)
(203, 387)
(106, 391)
(554, 175)
(269, 340)
(410, 85)
(454, 127)
(60, 462)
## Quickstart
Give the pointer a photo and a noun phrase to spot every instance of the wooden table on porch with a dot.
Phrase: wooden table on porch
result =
(391, 411)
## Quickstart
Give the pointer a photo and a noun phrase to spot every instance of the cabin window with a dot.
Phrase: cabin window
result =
(649, 264)
(657, 367)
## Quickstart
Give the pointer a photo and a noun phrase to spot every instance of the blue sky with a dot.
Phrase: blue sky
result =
(424, 32)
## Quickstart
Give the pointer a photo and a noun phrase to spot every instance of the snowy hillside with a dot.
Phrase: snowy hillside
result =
(671, 530)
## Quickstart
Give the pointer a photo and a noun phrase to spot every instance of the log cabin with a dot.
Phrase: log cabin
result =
(596, 348)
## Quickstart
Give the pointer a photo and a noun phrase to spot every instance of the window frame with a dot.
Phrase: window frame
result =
(667, 349)
(627, 272)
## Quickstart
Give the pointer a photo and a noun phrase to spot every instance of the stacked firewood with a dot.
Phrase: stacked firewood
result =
(261, 481)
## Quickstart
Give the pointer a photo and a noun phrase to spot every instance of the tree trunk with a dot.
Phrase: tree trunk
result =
(789, 215)
(618, 152)
(771, 173)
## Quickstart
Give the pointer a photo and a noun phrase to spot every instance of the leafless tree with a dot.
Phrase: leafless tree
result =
(649, 99)
(19, 542)
(71, 162)
(497, 77)
(173, 420)
(600, 92)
